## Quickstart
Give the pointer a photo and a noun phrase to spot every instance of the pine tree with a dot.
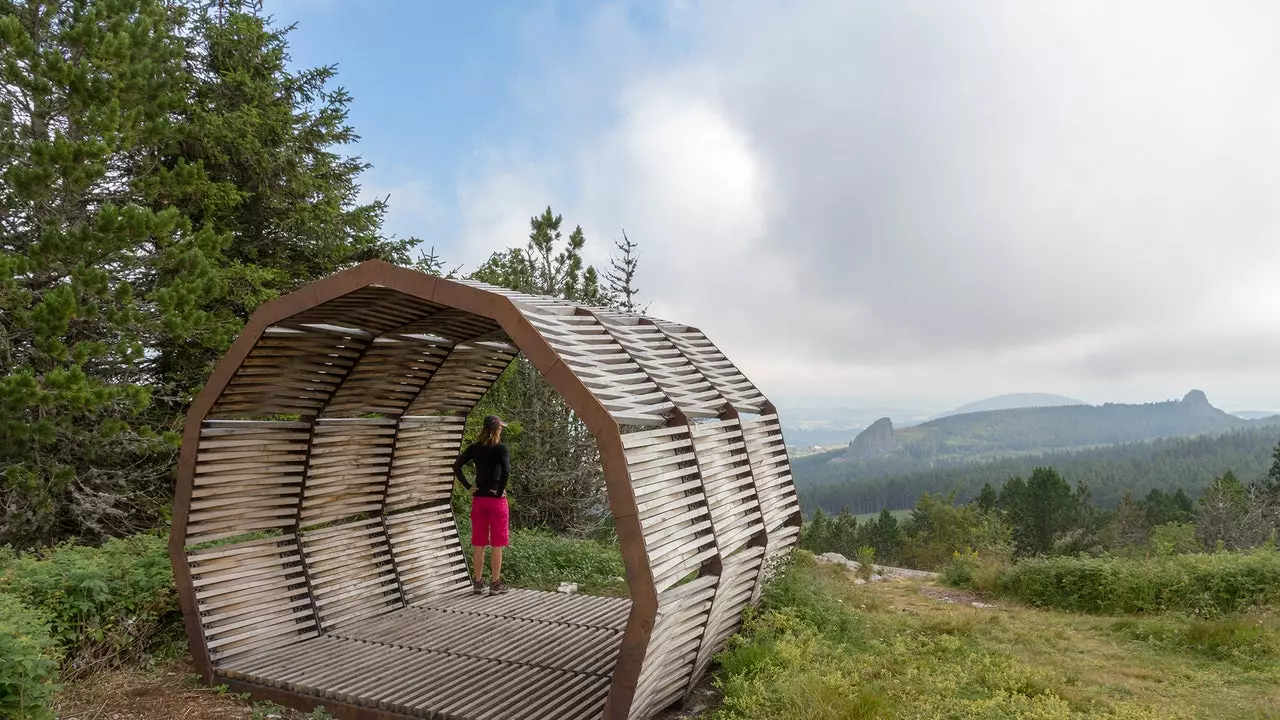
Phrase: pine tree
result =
(1229, 518)
(622, 276)
(162, 173)
(816, 533)
(844, 534)
(266, 138)
(987, 499)
(1127, 527)
(547, 265)
(88, 95)
(1040, 509)
(1273, 476)
(883, 534)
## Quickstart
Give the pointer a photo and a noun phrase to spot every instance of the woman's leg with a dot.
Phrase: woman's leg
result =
(479, 537)
(498, 539)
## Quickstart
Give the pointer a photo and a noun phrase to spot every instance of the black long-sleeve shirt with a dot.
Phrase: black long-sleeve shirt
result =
(493, 468)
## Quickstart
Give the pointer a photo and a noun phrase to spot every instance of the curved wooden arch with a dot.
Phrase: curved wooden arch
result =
(312, 527)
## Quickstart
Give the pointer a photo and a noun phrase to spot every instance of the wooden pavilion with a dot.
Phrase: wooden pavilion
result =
(314, 546)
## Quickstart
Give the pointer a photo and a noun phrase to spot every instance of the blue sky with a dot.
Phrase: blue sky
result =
(913, 201)
(445, 91)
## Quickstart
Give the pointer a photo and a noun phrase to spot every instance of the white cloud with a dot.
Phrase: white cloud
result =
(496, 204)
(928, 199)
(413, 210)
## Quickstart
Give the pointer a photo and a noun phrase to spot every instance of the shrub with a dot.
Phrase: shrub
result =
(541, 559)
(866, 559)
(1174, 539)
(28, 662)
(960, 571)
(1200, 584)
(106, 605)
(1228, 638)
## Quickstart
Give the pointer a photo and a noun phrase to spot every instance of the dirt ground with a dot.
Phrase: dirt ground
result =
(168, 692)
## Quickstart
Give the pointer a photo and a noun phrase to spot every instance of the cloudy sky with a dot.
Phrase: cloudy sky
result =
(920, 203)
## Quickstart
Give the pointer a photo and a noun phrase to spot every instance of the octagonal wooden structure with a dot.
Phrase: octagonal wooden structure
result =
(313, 542)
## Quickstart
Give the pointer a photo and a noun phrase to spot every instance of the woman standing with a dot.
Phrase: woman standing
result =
(488, 502)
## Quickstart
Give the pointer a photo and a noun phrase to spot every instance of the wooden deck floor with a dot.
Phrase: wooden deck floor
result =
(526, 654)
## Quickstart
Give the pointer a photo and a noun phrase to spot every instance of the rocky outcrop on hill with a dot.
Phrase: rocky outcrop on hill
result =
(1197, 403)
(876, 441)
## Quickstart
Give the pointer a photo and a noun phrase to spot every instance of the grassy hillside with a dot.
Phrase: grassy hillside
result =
(1188, 462)
(824, 648)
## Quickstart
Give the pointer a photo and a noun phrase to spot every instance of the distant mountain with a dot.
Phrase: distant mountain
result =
(1013, 401)
(1190, 463)
(999, 433)
(1255, 414)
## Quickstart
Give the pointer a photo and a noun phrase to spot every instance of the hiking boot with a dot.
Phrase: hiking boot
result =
(498, 587)
(477, 586)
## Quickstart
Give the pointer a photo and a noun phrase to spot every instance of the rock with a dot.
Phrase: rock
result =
(1196, 398)
(876, 441)
(859, 581)
(617, 579)
(877, 577)
(568, 588)
(833, 557)
(981, 605)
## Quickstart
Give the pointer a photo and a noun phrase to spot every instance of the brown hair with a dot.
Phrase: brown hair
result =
(488, 437)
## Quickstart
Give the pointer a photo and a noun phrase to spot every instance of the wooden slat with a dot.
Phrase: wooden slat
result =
(673, 647)
(347, 471)
(462, 379)
(727, 480)
(389, 376)
(651, 349)
(427, 552)
(252, 488)
(251, 595)
(715, 367)
(421, 471)
(290, 372)
(584, 345)
(771, 468)
(352, 576)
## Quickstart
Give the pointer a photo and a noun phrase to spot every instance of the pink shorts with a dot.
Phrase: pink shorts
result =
(488, 522)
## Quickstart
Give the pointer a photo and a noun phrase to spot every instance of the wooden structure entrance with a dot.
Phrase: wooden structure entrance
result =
(314, 547)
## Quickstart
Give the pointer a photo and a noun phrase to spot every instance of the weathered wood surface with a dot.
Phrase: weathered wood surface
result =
(316, 552)
(522, 655)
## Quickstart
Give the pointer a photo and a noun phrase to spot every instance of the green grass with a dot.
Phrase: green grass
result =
(823, 648)
(1248, 641)
(540, 560)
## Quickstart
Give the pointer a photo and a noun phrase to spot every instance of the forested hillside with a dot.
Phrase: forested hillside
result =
(1187, 462)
